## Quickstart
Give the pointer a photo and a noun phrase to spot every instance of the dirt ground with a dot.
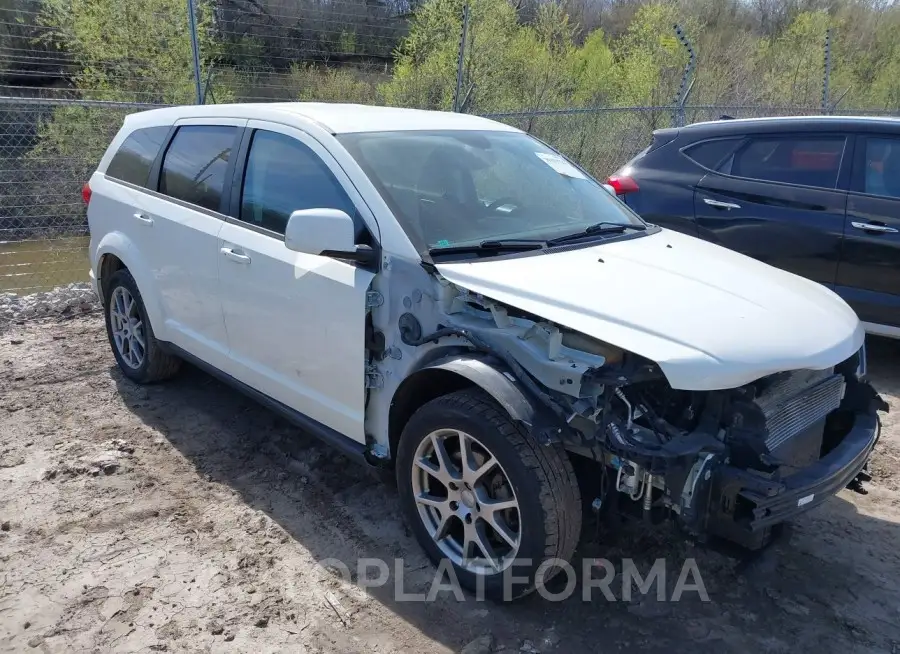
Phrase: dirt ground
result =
(183, 517)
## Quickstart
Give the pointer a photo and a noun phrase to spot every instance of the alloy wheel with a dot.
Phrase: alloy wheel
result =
(466, 502)
(127, 327)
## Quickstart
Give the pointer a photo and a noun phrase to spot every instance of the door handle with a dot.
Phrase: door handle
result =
(721, 205)
(871, 227)
(144, 218)
(237, 257)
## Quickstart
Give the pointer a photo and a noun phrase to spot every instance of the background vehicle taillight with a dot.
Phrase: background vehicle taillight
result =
(86, 193)
(622, 184)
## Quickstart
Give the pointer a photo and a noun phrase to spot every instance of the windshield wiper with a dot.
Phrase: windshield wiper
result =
(605, 227)
(501, 245)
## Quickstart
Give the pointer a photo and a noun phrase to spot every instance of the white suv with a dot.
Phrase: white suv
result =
(447, 295)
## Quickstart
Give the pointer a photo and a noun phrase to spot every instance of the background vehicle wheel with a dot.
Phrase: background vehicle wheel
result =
(136, 349)
(478, 490)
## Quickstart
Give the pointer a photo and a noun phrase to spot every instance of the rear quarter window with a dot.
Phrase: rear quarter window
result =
(711, 154)
(134, 158)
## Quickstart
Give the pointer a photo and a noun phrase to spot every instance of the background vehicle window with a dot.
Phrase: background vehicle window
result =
(135, 156)
(711, 154)
(882, 167)
(283, 176)
(808, 162)
(195, 164)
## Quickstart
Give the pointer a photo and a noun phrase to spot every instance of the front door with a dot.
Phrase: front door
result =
(776, 199)
(869, 273)
(295, 322)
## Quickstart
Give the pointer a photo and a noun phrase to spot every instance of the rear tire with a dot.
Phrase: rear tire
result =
(495, 552)
(140, 356)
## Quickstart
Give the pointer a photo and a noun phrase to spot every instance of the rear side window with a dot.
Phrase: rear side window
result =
(807, 162)
(195, 163)
(284, 176)
(711, 154)
(135, 157)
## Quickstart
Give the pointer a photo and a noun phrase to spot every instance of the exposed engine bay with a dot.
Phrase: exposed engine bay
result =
(726, 463)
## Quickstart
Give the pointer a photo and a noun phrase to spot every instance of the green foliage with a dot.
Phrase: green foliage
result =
(139, 50)
(320, 84)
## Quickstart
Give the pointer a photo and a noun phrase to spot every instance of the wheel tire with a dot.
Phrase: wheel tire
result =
(157, 364)
(541, 476)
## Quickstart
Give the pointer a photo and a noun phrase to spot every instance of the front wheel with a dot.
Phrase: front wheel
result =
(479, 491)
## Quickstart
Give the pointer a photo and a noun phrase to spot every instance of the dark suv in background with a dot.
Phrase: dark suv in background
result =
(817, 196)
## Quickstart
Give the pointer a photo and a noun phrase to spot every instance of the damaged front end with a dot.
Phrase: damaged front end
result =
(729, 463)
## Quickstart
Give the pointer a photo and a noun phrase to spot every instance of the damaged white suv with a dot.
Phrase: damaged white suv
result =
(449, 296)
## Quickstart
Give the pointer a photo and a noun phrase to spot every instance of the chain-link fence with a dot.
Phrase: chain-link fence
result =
(70, 70)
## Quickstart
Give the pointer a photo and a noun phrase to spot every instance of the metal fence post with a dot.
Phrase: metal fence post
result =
(461, 59)
(687, 77)
(195, 47)
(826, 82)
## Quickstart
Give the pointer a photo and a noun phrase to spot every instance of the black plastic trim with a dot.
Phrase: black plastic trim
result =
(776, 502)
(346, 446)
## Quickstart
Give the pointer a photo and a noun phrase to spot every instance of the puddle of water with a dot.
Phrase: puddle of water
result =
(34, 266)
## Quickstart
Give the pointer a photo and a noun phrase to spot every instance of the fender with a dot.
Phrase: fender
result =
(119, 245)
(491, 376)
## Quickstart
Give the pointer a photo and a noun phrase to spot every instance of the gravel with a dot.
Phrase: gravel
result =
(73, 299)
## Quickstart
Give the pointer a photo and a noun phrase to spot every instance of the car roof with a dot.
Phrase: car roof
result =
(798, 123)
(334, 117)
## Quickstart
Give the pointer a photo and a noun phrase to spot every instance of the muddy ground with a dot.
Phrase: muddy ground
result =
(183, 517)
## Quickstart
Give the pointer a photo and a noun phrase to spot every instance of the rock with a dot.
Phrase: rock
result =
(4, 526)
(262, 622)
(215, 628)
(551, 638)
(529, 648)
(26, 625)
(481, 645)
(35, 641)
(229, 637)
(64, 300)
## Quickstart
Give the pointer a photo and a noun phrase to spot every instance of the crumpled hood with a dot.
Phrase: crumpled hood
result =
(710, 317)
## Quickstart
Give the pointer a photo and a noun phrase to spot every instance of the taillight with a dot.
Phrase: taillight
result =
(622, 184)
(86, 193)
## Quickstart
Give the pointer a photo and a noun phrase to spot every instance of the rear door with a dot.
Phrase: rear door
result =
(184, 217)
(778, 199)
(869, 273)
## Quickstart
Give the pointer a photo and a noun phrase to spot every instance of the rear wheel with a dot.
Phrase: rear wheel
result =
(138, 353)
(479, 491)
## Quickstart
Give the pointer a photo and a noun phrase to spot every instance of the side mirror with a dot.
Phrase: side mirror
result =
(314, 231)
(328, 233)
(609, 189)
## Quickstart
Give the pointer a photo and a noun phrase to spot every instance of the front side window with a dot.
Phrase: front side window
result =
(135, 157)
(195, 164)
(458, 188)
(283, 176)
(814, 161)
(882, 167)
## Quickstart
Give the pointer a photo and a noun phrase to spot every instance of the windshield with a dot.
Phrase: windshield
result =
(457, 188)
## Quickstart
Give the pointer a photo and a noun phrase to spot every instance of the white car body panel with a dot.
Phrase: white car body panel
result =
(710, 317)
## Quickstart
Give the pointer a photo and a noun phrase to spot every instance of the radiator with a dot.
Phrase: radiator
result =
(795, 401)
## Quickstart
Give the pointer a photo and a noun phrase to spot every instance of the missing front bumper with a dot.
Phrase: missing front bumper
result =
(744, 507)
